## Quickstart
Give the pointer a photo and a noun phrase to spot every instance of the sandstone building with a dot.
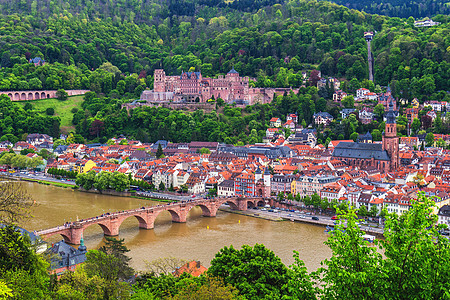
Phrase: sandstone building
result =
(192, 87)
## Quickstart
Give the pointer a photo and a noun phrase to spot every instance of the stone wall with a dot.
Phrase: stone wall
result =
(36, 95)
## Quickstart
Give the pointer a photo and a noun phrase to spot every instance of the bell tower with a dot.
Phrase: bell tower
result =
(390, 139)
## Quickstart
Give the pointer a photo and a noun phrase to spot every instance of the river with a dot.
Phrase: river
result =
(200, 238)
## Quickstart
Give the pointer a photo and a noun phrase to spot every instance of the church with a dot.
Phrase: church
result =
(384, 156)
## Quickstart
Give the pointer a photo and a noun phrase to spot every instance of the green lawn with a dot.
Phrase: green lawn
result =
(62, 108)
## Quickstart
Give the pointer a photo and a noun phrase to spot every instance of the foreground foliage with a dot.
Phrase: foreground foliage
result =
(410, 263)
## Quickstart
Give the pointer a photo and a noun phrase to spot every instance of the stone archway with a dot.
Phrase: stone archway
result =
(23, 96)
(259, 192)
(30, 96)
(105, 228)
(17, 96)
(11, 96)
(36, 95)
(177, 217)
(206, 211)
(250, 204)
(66, 238)
(260, 203)
(232, 205)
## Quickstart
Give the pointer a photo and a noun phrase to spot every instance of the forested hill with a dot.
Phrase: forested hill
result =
(400, 8)
(136, 36)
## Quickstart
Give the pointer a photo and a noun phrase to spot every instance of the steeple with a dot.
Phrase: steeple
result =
(390, 116)
(82, 247)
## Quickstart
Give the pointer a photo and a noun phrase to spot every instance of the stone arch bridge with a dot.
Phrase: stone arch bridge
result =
(146, 216)
(36, 95)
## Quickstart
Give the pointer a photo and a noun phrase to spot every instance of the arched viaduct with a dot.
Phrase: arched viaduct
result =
(36, 95)
(146, 216)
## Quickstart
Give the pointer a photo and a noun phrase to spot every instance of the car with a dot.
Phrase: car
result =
(254, 208)
(315, 218)
(334, 218)
(302, 217)
(297, 211)
(308, 213)
(264, 209)
(271, 210)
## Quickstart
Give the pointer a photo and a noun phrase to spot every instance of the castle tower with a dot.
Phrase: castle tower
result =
(390, 139)
(159, 80)
(258, 175)
(368, 36)
(266, 177)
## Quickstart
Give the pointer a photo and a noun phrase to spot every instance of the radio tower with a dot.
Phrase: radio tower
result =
(369, 36)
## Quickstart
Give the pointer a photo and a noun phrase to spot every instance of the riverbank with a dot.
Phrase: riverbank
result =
(54, 183)
(251, 213)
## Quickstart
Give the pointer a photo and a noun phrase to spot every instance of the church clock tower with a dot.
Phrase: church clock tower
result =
(390, 139)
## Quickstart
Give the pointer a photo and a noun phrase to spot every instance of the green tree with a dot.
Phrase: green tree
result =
(50, 111)
(415, 126)
(376, 135)
(354, 136)
(348, 102)
(429, 139)
(373, 211)
(61, 95)
(204, 151)
(345, 277)
(363, 211)
(162, 187)
(255, 271)
(34, 162)
(107, 267)
(207, 288)
(159, 152)
(14, 202)
(116, 248)
(379, 111)
(23, 271)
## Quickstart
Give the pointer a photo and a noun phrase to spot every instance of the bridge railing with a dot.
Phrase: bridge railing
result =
(105, 216)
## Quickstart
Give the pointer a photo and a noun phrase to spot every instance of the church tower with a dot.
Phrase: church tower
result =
(390, 139)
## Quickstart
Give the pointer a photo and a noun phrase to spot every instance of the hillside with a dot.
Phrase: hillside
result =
(113, 48)
(400, 8)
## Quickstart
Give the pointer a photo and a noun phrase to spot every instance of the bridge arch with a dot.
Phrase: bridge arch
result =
(16, 96)
(36, 95)
(23, 96)
(10, 96)
(260, 203)
(30, 96)
(65, 237)
(106, 230)
(250, 204)
(176, 216)
(206, 211)
(231, 203)
(42, 95)
(142, 222)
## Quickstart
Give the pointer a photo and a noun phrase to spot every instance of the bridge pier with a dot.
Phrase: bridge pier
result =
(75, 236)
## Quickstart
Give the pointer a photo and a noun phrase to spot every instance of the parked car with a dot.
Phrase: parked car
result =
(315, 218)
(333, 218)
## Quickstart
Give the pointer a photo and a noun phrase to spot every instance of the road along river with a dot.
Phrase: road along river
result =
(200, 238)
